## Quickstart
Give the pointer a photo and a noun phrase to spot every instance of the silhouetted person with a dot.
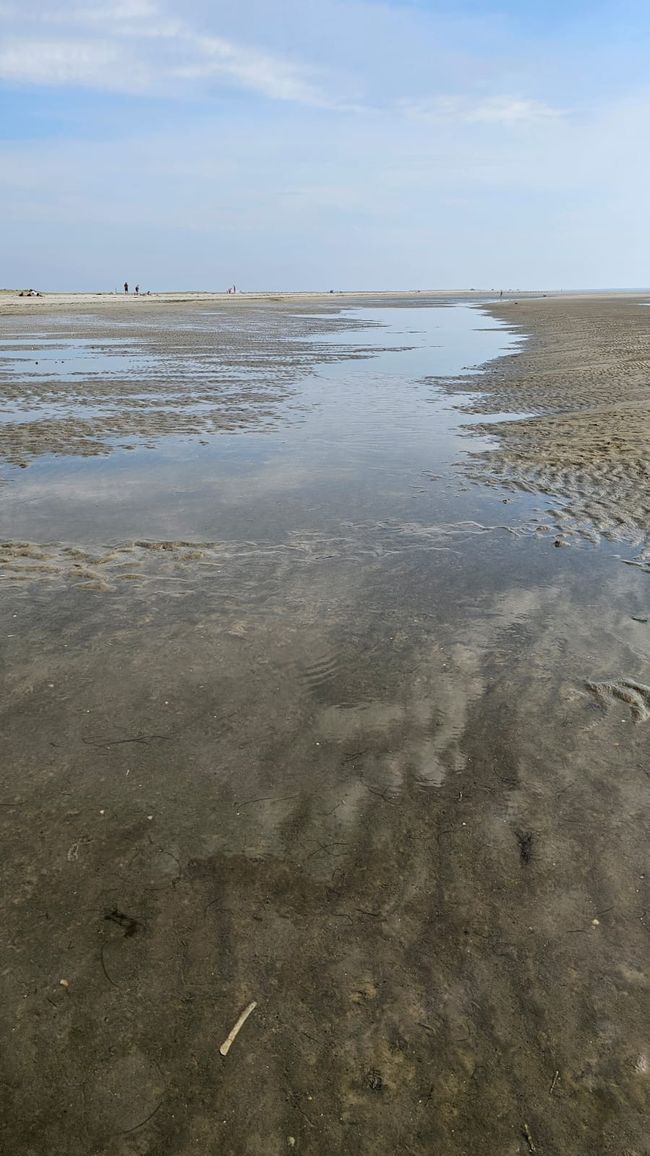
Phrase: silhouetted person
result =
(126, 286)
(137, 289)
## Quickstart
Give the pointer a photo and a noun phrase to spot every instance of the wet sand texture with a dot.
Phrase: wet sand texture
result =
(438, 904)
(584, 379)
(141, 378)
(395, 797)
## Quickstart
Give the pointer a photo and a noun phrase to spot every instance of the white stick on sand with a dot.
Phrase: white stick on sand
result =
(229, 1041)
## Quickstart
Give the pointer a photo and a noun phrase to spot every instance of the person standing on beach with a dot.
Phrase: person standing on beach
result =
(137, 290)
(126, 286)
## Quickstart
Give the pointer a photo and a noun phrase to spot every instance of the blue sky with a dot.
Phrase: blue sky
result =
(297, 144)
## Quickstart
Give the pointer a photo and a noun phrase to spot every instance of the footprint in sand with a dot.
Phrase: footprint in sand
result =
(635, 694)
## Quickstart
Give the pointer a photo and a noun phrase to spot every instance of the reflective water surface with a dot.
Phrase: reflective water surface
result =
(359, 438)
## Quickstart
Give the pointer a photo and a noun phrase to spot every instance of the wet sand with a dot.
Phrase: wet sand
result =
(387, 778)
(122, 371)
(582, 379)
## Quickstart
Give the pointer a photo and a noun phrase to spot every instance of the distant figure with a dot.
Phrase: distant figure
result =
(126, 286)
(501, 293)
(137, 290)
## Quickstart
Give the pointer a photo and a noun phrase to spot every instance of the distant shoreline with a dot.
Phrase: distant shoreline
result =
(11, 301)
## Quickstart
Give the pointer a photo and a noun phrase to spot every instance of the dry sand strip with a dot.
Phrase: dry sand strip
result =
(12, 303)
(583, 382)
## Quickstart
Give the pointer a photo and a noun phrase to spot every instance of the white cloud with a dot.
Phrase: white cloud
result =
(121, 10)
(88, 13)
(134, 19)
(268, 75)
(510, 110)
(504, 110)
(90, 63)
(136, 48)
(158, 46)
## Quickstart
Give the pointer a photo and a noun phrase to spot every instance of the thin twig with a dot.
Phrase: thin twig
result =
(142, 1123)
(117, 742)
(265, 799)
(101, 960)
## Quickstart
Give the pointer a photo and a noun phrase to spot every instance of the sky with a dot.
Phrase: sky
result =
(317, 144)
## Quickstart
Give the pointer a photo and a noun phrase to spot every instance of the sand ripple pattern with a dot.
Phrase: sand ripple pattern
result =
(170, 374)
(176, 567)
(635, 694)
(584, 376)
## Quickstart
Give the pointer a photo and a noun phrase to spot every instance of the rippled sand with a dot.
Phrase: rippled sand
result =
(583, 380)
(119, 372)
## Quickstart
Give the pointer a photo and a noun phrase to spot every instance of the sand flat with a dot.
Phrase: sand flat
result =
(331, 730)
(583, 383)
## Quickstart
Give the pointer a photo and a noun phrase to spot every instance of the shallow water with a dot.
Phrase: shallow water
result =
(358, 439)
(296, 715)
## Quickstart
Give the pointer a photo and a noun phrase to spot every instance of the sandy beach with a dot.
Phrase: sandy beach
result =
(302, 706)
